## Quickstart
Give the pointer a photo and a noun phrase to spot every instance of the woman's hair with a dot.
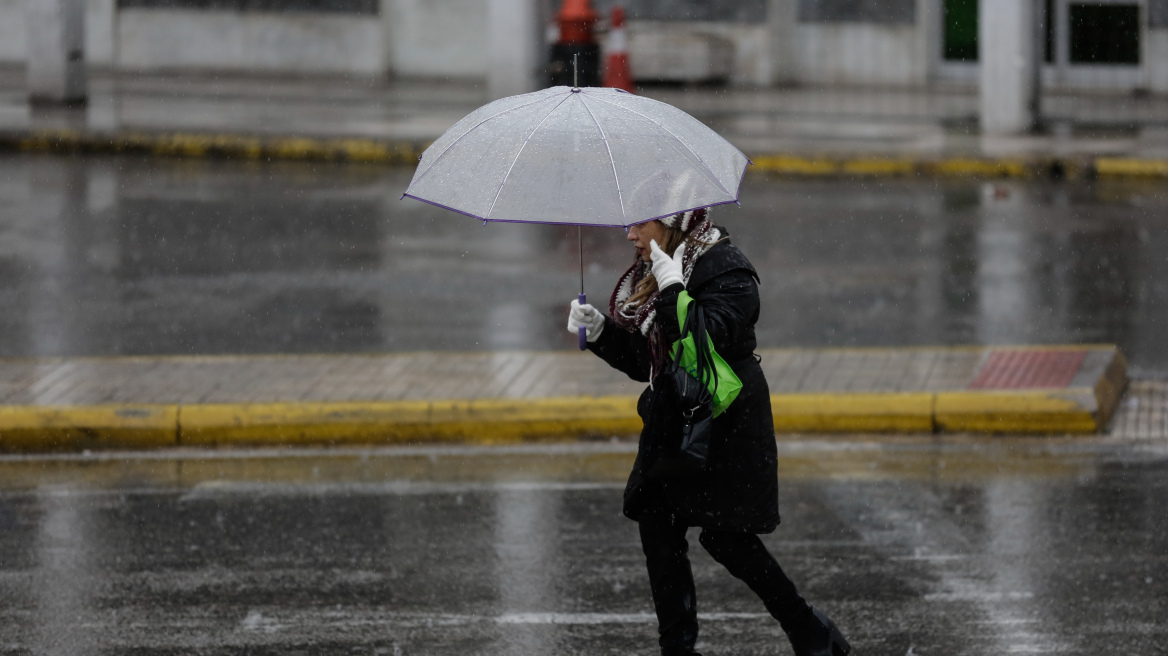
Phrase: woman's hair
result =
(672, 238)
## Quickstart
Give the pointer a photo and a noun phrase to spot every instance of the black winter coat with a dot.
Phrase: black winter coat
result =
(739, 489)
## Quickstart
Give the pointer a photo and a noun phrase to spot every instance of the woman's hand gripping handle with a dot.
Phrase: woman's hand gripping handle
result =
(586, 321)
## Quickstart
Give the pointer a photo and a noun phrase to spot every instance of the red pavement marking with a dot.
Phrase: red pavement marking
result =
(1028, 369)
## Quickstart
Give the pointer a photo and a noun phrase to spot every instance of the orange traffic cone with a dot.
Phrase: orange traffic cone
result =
(616, 61)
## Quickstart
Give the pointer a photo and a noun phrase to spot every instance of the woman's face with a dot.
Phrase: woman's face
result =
(642, 233)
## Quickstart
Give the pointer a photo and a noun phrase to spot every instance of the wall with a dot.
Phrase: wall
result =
(752, 60)
(438, 38)
(11, 30)
(175, 39)
(860, 54)
(98, 31)
(312, 43)
(883, 42)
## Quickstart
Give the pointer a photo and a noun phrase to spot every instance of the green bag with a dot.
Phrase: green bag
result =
(724, 385)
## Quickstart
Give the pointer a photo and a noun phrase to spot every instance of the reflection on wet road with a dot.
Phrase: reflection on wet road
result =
(128, 256)
(914, 545)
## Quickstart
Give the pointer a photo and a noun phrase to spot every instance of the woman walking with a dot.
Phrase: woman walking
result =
(735, 497)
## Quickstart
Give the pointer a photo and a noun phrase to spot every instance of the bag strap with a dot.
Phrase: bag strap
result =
(706, 369)
(695, 325)
(685, 328)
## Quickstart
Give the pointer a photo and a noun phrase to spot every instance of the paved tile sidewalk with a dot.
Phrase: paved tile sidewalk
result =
(1143, 413)
(763, 122)
(216, 400)
(512, 375)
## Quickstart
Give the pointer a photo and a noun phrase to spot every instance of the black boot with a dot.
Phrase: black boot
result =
(817, 635)
(671, 582)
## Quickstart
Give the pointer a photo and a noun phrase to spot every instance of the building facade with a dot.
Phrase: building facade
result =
(1119, 44)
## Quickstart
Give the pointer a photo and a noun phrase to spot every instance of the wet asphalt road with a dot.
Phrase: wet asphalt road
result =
(104, 256)
(914, 545)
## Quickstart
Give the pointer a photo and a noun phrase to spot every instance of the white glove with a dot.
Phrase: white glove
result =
(587, 316)
(666, 270)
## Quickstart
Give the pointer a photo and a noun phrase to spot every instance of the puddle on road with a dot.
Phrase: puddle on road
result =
(434, 468)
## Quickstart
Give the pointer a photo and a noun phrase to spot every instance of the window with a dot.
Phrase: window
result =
(1105, 34)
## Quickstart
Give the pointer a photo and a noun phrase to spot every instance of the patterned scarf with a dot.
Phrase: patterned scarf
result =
(700, 237)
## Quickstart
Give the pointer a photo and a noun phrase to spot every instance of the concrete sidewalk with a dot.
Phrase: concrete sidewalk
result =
(140, 402)
(809, 131)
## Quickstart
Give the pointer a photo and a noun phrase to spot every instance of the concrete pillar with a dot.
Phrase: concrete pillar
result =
(516, 45)
(1157, 59)
(56, 50)
(782, 20)
(1008, 52)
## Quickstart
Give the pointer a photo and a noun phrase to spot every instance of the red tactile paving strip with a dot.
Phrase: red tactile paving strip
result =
(1028, 369)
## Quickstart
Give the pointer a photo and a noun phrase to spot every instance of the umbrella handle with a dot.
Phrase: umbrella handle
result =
(583, 331)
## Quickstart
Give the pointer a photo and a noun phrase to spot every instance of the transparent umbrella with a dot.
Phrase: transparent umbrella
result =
(578, 156)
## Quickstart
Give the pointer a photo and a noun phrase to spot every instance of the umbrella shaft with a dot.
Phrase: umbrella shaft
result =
(580, 242)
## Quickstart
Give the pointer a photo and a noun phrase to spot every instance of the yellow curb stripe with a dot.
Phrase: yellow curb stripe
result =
(1022, 411)
(483, 420)
(1124, 167)
(376, 151)
(853, 413)
(221, 145)
(948, 167)
(74, 428)
(303, 423)
(879, 167)
(789, 164)
(497, 421)
(981, 168)
(502, 420)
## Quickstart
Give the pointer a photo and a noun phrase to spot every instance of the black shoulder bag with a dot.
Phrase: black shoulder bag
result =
(695, 400)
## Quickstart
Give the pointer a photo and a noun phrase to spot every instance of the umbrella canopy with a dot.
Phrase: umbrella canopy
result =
(578, 156)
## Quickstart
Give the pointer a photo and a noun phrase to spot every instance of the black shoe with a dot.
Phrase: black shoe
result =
(678, 651)
(819, 637)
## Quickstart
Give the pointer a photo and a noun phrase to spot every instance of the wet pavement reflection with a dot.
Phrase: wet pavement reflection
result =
(914, 545)
(103, 256)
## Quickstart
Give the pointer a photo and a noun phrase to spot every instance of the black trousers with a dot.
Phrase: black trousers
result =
(742, 554)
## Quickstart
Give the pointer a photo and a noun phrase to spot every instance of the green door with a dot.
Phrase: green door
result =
(960, 40)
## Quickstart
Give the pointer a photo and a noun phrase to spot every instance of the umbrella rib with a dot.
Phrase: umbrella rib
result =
(680, 141)
(472, 129)
(615, 178)
(519, 152)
